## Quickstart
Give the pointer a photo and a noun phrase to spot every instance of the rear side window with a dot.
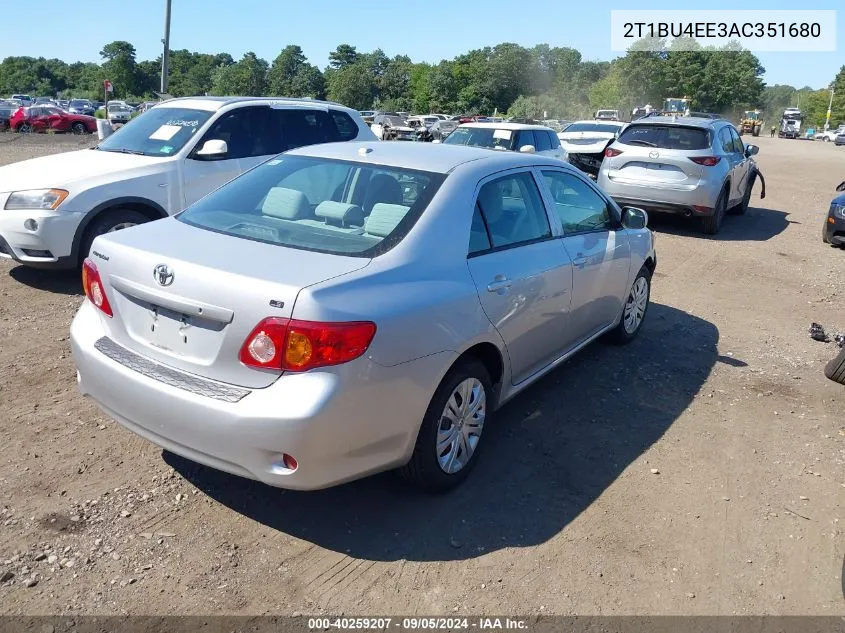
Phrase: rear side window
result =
(666, 137)
(512, 210)
(554, 139)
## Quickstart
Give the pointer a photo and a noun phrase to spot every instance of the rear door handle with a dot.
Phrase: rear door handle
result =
(580, 262)
(499, 284)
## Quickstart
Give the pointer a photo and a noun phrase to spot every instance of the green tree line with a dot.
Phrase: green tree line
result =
(542, 81)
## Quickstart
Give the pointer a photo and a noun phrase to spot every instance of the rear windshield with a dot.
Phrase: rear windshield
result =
(328, 206)
(594, 127)
(666, 137)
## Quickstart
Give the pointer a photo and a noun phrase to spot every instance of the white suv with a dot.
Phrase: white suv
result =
(52, 208)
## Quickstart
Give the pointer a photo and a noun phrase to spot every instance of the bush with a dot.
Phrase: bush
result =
(100, 114)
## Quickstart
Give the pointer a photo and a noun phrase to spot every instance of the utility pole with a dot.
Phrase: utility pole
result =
(829, 108)
(166, 53)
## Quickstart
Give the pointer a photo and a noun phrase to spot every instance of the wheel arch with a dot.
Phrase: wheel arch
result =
(150, 209)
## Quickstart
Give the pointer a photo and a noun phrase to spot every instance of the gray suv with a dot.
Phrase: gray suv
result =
(691, 166)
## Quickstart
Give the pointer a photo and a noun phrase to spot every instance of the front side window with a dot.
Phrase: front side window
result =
(739, 148)
(157, 132)
(726, 140)
(526, 137)
(577, 205)
(543, 142)
(513, 210)
(248, 132)
(329, 206)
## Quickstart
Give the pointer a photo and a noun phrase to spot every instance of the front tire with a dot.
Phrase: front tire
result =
(25, 128)
(712, 223)
(107, 223)
(449, 439)
(78, 128)
(636, 307)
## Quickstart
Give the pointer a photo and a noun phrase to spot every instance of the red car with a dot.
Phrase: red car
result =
(41, 118)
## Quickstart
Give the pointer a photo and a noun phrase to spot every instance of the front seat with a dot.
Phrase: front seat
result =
(382, 188)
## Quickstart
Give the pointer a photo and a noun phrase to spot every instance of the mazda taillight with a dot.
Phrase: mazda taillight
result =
(291, 345)
(92, 285)
(610, 152)
(707, 161)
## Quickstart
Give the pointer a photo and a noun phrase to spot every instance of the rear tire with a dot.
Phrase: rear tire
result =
(433, 445)
(106, 223)
(634, 311)
(742, 207)
(24, 128)
(712, 223)
(835, 368)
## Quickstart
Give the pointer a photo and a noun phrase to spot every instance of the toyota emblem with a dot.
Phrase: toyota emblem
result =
(163, 274)
(654, 154)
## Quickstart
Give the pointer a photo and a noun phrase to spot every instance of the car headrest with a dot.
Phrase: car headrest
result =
(287, 204)
(340, 212)
(384, 218)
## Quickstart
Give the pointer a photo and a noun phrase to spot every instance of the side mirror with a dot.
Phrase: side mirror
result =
(213, 150)
(528, 149)
(841, 186)
(751, 150)
(634, 218)
(437, 140)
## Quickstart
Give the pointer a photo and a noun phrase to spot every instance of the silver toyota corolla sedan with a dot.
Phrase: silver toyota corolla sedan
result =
(349, 308)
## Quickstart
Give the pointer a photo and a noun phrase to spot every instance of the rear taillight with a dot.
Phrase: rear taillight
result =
(92, 285)
(291, 345)
(610, 152)
(707, 161)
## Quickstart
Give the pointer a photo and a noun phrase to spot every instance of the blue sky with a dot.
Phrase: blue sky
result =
(318, 26)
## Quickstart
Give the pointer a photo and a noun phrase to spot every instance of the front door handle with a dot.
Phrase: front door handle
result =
(579, 262)
(499, 284)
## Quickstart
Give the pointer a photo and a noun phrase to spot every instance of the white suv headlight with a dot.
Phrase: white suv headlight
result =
(36, 199)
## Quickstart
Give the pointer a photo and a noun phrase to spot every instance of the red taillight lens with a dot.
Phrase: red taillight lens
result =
(92, 285)
(707, 161)
(292, 345)
(610, 152)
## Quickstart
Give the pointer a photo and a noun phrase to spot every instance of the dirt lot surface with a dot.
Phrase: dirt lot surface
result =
(699, 470)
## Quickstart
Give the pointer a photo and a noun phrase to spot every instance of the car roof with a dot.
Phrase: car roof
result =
(598, 122)
(686, 121)
(432, 157)
(216, 103)
(505, 126)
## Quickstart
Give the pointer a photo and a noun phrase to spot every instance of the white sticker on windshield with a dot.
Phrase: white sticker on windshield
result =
(274, 162)
(502, 134)
(165, 133)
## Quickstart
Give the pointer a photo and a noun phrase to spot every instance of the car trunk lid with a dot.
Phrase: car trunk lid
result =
(652, 165)
(188, 297)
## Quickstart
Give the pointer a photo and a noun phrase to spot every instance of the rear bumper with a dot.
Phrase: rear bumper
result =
(339, 425)
(654, 206)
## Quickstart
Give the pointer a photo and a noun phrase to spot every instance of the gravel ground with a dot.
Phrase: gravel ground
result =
(697, 471)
